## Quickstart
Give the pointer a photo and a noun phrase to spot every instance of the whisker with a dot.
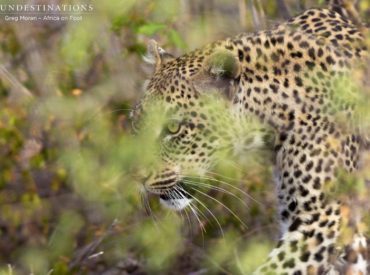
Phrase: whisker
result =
(227, 184)
(223, 176)
(189, 221)
(194, 205)
(202, 229)
(200, 212)
(173, 197)
(145, 204)
(217, 188)
(169, 194)
(206, 208)
(178, 191)
(235, 165)
(153, 217)
(216, 200)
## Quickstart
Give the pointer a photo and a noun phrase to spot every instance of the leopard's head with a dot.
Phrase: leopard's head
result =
(193, 92)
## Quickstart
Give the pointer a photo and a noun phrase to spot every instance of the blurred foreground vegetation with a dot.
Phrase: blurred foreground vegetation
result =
(69, 199)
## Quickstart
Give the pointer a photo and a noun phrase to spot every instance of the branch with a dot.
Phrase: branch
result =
(18, 88)
(283, 9)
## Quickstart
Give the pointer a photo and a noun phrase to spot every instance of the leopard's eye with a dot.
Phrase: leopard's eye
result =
(173, 126)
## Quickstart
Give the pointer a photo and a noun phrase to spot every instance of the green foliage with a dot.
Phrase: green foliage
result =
(71, 170)
(254, 255)
(167, 238)
(151, 28)
(78, 43)
(175, 38)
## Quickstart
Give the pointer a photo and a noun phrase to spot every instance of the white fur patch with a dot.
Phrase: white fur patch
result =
(149, 58)
(360, 267)
(176, 204)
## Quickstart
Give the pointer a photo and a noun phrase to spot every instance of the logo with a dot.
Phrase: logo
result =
(44, 12)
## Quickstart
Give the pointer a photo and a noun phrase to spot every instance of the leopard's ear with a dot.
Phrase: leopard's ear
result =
(156, 55)
(220, 71)
(222, 64)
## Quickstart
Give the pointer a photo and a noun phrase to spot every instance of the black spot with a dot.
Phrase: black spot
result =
(274, 57)
(306, 178)
(273, 265)
(304, 192)
(330, 60)
(309, 234)
(285, 215)
(311, 53)
(297, 67)
(318, 257)
(292, 206)
(281, 256)
(229, 47)
(310, 64)
(303, 158)
(319, 238)
(283, 136)
(298, 81)
(240, 55)
(329, 211)
(295, 225)
(305, 256)
(292, 191)
(267, 44)
(296, 55)
(307, 206)
(309, 166)
(293, 246)
(297, 173)
(290, 263)
(280, 39)
(331, 224)
(304, 44)
(315, 217)
(274, 88)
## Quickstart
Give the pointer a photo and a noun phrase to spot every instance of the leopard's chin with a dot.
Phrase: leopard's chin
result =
(175, 204)
(175, 200)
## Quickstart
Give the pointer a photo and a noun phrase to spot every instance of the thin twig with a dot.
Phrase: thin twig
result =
(87, 251)
(243, 13)
(283, 9)
(17, 86)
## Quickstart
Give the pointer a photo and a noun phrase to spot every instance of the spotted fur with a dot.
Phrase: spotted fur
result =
(286, 77)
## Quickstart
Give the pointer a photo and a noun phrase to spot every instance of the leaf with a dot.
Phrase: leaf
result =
(176, 39)
(151, 28)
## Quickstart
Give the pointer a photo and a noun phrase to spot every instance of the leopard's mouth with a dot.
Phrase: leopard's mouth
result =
(177, 198)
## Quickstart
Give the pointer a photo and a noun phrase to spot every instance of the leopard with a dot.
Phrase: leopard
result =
(283, 81)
